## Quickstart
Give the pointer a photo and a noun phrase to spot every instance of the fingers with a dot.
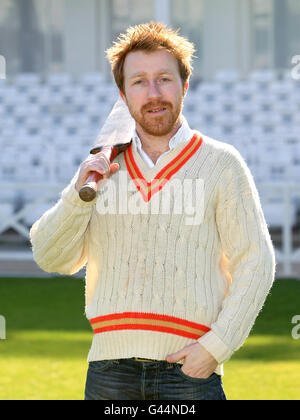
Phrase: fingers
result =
(198, 363)
(95, 163)
(175, 357)
(114, 168)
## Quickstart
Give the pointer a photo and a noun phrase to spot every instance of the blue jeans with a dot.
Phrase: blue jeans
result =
(127, 379)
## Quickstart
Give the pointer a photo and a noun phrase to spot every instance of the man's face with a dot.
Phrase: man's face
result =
(153, 91)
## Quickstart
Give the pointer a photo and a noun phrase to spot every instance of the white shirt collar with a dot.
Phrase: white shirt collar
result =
(184, 133)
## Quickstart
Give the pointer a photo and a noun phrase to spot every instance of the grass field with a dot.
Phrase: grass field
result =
(48, 339)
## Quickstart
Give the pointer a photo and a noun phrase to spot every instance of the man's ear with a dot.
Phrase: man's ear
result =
(123, 96)
(186, 87)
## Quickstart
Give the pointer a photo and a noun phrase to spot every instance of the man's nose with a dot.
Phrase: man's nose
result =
(153, 91)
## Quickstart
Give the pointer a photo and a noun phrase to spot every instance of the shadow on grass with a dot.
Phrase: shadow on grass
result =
(281, 305)
(43, 304)
(44, 344)
(58, 345)
(271, 337)
(45, 318)
(278, 349)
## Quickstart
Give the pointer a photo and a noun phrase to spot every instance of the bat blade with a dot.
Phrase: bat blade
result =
(118, 127)
(115, 136)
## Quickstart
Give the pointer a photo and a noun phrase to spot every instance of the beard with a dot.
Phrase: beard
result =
(157, 125)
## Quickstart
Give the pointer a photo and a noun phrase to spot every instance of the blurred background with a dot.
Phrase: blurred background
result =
(58, 90)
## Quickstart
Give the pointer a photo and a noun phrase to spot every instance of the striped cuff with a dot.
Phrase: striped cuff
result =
(215, 346)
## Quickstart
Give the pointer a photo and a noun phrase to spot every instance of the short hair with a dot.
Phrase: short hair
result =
(150, 37)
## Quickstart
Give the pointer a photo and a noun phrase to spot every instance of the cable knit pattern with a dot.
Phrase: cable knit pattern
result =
(216, 274)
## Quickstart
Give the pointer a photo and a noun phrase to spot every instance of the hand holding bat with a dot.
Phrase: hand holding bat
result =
(96, 167)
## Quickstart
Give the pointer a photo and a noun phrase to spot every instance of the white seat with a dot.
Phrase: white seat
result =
(274, 214)
(264, 102)
(6, 210)
(287, 112)
(242, 132)
(227, 75)
(27, 79)
(60, 79)
(25, 82)
(282, 89)
(228, 122)
(272, 162)
(265, 123)
(227, 79)
(3, 84)
(92, 79)
(209, 92)
(213, 131)
(245, 90)
(228, 104)
(294, 171)
(296, 120)
(195, 121)
(44, 96)
(263, 75)
(10, 96)
(56, 82)
(208, 117)
(36, 213)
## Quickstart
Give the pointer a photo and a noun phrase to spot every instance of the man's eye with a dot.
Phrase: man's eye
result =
(165, 79)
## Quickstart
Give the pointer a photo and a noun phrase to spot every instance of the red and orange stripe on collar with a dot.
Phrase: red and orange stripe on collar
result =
(148, 322)
(148, 189)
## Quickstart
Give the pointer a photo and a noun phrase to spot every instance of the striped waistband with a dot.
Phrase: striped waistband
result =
(150, 322)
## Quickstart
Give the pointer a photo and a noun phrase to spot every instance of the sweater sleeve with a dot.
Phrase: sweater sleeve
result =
(58, 238)
(247, 244)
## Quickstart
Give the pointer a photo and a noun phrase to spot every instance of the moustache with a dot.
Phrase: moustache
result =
(152, 105)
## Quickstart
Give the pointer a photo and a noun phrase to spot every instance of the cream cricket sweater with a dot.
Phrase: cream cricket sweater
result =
(174, 254)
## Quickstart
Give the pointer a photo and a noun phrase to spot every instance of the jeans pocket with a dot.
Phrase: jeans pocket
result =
(211, 378)
(100, 365)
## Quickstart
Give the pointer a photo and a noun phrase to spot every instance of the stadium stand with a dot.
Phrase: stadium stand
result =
(48, 125)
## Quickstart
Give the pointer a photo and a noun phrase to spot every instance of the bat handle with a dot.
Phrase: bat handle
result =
(88, 191)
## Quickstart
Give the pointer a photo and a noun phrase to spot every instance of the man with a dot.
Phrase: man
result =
(169, 301)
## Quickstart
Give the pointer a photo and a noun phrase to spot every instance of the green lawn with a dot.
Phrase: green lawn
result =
(48, 339)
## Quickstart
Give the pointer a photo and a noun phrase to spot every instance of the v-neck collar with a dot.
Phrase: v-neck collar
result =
(163, 171)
